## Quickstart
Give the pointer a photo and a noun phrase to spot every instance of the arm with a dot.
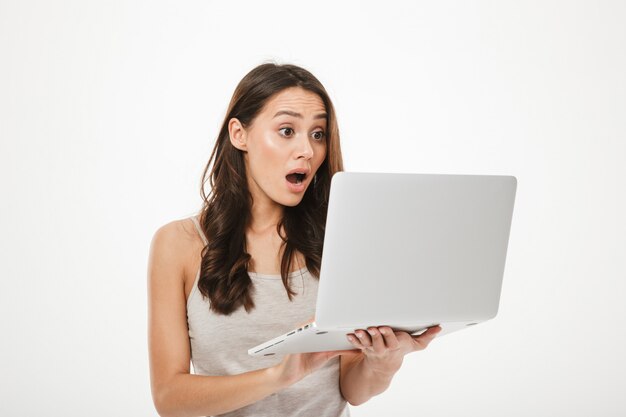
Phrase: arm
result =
(175, 391)
(358, 382)
(369, 372)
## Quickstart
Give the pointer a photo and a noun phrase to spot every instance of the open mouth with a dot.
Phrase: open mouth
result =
(296, 178)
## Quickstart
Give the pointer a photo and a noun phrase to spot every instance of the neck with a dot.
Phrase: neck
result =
(265, 215)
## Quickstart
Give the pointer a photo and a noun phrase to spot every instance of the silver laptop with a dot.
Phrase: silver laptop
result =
(407, 251)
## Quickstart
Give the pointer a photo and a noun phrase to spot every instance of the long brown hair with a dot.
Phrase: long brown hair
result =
(225, 214)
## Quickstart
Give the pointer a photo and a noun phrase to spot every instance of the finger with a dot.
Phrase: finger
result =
(391, 341)
(364, 338)
(378, 343)
(425, 338)
(431, 332)
(355, 341)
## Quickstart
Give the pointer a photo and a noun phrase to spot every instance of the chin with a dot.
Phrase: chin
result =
(291, 202)
(290, 199)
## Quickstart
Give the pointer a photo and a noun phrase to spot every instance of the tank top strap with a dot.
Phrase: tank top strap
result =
(199, 229)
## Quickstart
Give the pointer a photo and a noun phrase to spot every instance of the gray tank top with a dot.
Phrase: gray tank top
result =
(219, 344)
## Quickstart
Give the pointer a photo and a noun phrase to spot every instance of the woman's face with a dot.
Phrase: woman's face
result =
(285, 140)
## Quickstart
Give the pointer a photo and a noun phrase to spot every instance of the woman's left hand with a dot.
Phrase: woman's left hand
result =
(384, 349)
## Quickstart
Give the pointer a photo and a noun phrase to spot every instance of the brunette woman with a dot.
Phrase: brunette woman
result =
(245, 268)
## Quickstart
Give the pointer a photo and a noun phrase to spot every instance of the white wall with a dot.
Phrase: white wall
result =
(108, 112)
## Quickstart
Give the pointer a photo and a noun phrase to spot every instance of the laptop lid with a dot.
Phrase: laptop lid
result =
(403, 246)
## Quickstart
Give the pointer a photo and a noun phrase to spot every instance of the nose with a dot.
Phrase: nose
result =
(305, 150)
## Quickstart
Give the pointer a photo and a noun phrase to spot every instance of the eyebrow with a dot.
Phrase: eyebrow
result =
(294, 114)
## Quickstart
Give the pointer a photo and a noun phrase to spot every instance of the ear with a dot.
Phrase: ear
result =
(237, 134)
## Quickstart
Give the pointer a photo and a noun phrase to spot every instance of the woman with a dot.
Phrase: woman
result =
(245, 269)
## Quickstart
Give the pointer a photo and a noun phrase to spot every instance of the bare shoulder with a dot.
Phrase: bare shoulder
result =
(183, 231)
(171, 238)
(175, 245)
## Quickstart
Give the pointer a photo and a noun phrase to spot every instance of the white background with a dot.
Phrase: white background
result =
(108, 113)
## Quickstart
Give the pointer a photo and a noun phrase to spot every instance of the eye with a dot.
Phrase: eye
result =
(319, 135)
(288, 131)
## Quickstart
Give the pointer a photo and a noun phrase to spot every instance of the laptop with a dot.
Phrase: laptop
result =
(408, 251)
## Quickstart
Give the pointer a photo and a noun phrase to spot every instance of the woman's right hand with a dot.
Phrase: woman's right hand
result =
(296, 366)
